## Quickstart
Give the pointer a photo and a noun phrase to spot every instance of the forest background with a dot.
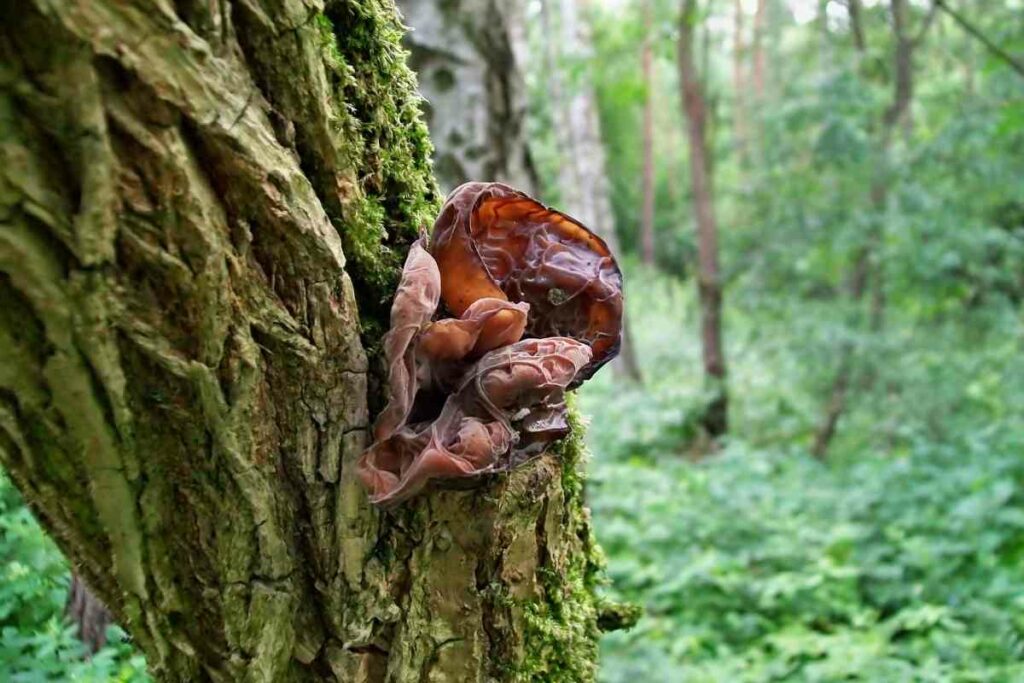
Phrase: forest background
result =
(809, 466)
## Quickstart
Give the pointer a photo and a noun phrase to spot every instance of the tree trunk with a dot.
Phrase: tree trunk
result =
(468, 57)
(89, 614)
(739, 84)
(760, 60)
(647, 210)
(853, 8)
(899, 112)
(204, 208)
(709, 286)
(582, 181)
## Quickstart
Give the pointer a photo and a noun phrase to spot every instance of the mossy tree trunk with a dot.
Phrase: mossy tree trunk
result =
(203, 207)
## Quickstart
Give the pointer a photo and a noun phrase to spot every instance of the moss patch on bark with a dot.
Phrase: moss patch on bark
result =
(394, 196)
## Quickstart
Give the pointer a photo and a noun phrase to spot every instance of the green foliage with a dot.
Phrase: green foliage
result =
(763, 566)
(899, 560)
(36, 644)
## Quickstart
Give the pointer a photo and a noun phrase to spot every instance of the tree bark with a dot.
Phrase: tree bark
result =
(853, 8)
(203, 211)
(709, 286)
(760, 74)
(89, 614)
(647, 210)
(899, 112)
(468, 57)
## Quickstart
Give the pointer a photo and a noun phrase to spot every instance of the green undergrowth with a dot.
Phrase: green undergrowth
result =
(770, 566)
(36, 643)
(899, 559)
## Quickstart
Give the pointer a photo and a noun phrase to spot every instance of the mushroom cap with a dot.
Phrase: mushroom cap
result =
(491, 240)
(474, 433)
(506, 266)
(487, 324)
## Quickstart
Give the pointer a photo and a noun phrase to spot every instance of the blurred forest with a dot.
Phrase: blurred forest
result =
(809, 462)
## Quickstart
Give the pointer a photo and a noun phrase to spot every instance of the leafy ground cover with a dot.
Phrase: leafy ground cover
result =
(36, 644)
(899, 560)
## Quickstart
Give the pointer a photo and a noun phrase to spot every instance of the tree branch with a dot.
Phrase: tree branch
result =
(925, 25)
(999, 52)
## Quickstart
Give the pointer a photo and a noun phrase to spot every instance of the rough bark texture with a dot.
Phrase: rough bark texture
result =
(468, 57)
(88, 613)
(709, 286)
(203, 208)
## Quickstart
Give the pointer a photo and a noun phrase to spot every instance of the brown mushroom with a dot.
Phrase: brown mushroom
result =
(485, 325)
(414, 305)
(493, 241)
(480, 398)
(475, 432)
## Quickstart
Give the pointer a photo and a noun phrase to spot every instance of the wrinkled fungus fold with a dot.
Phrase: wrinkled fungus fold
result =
(492, 240)
(482, 398)
(487, 324)
(415, 302)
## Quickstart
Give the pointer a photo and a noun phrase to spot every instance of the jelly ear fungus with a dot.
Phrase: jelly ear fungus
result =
(506, 267)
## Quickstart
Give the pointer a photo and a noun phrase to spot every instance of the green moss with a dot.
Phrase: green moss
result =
(561, 630)
(329, 41)
(381, 132)
(572, 451)
(618, 616)
(383, 135)
(561, 627)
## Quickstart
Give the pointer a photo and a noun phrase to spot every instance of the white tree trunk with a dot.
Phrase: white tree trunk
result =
(468, 56)
(582, 179)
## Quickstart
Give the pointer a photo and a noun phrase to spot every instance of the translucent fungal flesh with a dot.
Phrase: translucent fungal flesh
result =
(467, 395)
(491, 240)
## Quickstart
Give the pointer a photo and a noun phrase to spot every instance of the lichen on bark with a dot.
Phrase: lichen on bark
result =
(203, 207)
